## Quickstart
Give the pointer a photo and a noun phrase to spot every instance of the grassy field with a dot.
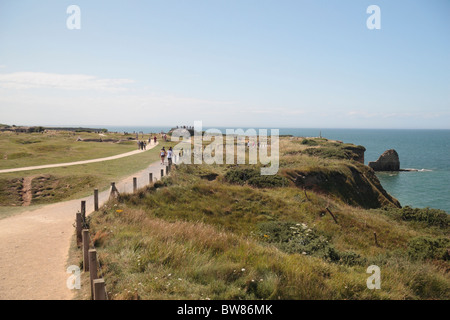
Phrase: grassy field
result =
(32, 149)
(53, 184)
(222, 232)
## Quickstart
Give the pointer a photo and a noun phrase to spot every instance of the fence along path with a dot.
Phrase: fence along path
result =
(34, 245)
(91, 260)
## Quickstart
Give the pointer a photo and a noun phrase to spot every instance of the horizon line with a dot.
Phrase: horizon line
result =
(104, 126)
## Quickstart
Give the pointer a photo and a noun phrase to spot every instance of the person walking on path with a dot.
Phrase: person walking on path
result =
(163, 155)
(169, 156)
(154, 139)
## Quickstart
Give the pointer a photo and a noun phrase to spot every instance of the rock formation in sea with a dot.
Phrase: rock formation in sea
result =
(388, 161)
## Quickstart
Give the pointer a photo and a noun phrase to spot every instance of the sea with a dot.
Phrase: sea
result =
(427, 151)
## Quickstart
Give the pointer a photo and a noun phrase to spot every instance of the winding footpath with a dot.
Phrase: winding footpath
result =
(34, 245)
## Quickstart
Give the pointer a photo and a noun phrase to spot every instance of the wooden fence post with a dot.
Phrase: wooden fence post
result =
(162, 173)
(83, 211)
(306, 195)
(332, 215)
(79, 228)
(92, 269)
(376, 240)
(134, 184)
(150, 177)
(114, 192)
(86, 241)
(95, 199)
(99, 289)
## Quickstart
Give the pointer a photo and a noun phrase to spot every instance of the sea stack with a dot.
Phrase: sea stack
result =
(388, 161)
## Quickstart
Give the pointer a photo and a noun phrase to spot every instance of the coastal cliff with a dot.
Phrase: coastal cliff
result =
(308, 232)
(353, 184)
(338, 171)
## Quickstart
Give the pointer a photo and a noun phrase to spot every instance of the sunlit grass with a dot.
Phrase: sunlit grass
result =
(191, 238)
(73, 182)
(33, 149)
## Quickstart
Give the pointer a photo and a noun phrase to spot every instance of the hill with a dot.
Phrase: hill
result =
(309, 232)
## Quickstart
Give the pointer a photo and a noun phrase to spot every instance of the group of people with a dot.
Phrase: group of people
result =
(142, 145)
(169, 154)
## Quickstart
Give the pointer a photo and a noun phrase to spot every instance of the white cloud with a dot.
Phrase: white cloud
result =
(28, 80)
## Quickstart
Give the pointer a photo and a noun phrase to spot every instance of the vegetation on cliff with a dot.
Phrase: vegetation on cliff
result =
(223, 232)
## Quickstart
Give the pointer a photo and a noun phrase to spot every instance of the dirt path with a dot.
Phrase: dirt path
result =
(34, 245)
(26, 191)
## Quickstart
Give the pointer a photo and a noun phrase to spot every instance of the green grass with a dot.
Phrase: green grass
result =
(149, 257)
(73, 182)
(66, 183)
(195, 237)
(33, 149)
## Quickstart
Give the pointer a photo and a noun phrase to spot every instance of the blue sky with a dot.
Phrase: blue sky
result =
(228, 63)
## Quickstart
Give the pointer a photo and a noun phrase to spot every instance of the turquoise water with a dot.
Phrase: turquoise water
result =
(426, 150)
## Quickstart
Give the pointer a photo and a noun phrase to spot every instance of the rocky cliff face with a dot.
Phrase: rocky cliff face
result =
(388, 161)
(358, 152)
(353, 183)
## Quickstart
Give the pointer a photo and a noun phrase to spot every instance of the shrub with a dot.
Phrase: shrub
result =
(240, 175)
(164, 182)
(268, 181)
(432, 217)
(253, 177)
(331, 153)
(309, 142)
(424, 248)
(351, 258)
(298, 238)
(426, 216)
(37, 129)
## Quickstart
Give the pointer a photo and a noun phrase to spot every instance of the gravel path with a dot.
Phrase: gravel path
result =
(34, 245)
